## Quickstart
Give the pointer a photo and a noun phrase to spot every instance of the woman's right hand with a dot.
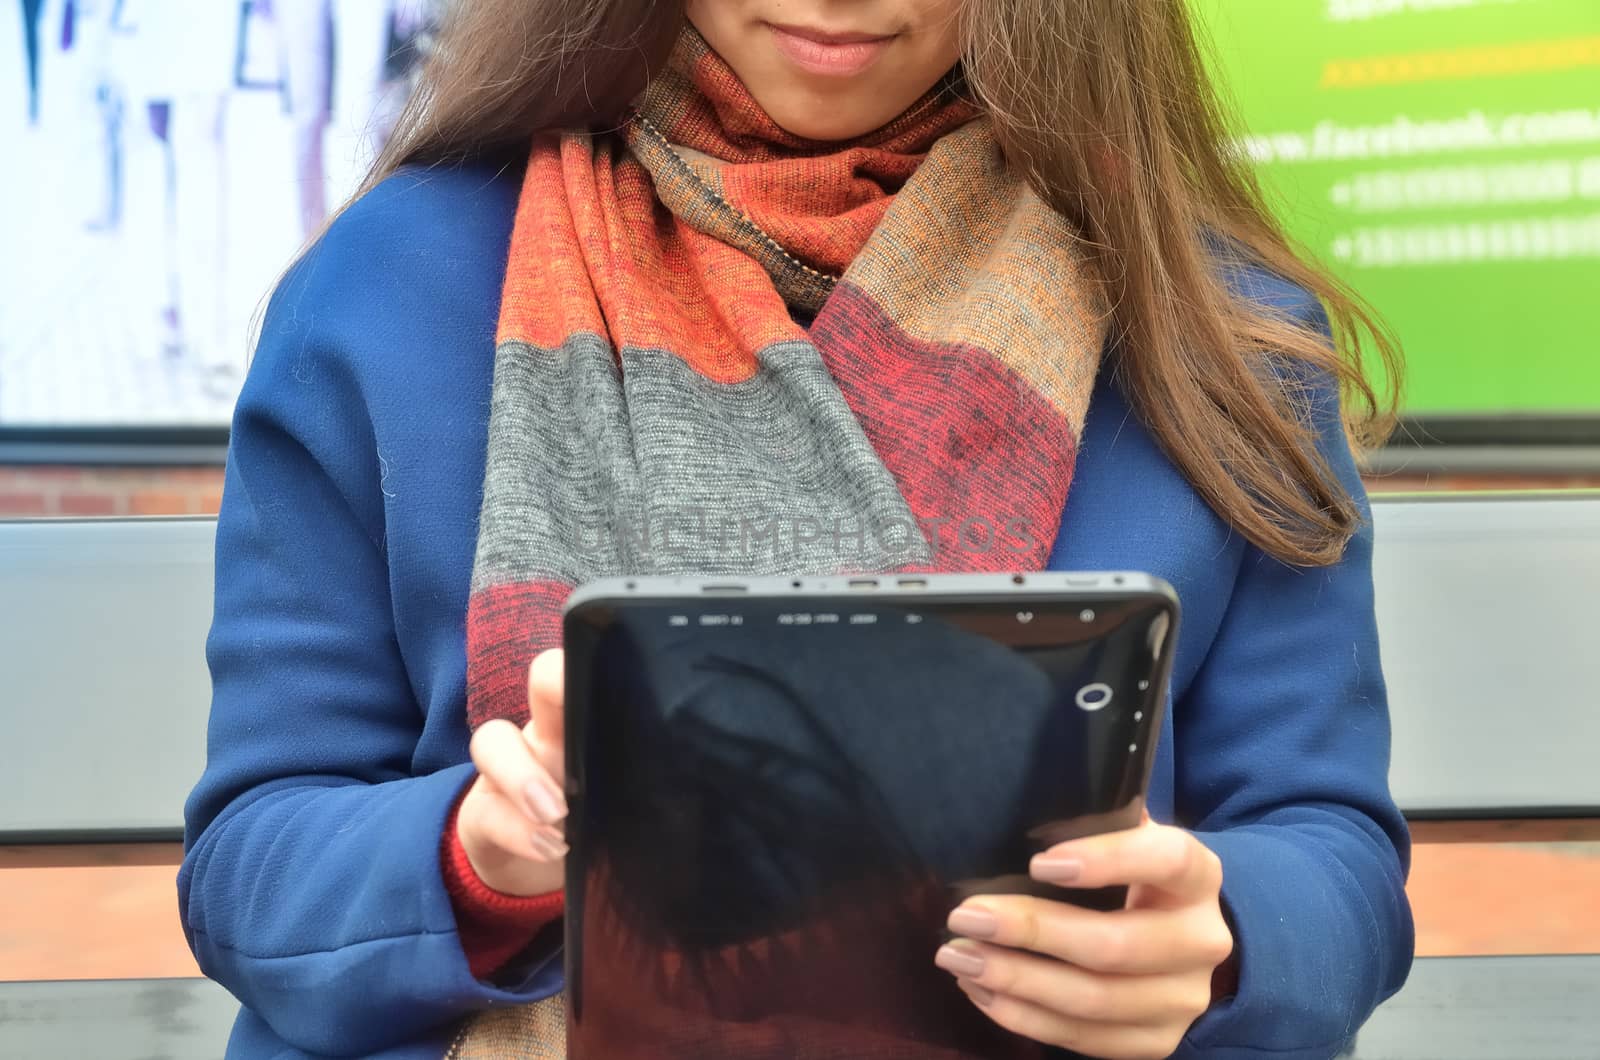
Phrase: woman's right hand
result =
(509, 822)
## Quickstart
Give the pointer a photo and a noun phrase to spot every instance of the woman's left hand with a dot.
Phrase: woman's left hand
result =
(1122, 984)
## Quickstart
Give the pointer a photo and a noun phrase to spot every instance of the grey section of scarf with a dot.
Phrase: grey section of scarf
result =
(655, 468)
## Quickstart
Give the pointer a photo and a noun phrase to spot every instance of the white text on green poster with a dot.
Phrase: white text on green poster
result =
(1444, 157)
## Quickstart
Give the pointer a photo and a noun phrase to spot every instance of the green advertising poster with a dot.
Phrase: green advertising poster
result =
(1443, 156)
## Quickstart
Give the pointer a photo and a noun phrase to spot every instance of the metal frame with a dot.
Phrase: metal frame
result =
(129, 446)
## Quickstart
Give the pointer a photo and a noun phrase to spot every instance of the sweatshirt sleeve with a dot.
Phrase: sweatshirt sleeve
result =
(1282, 745)
(312, 886)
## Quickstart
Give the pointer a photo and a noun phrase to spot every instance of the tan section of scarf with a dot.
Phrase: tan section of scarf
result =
(524, 1032)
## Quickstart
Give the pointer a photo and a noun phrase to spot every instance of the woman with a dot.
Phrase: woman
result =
(796, 259)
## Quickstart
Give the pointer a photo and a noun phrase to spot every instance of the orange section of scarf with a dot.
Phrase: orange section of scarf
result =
(702, 200)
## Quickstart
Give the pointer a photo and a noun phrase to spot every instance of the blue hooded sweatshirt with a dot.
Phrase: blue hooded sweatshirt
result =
(311, 885)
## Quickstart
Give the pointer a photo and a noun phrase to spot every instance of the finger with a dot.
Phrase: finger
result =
(506, 762)
(546, 681)
(545, 731)
(502, 824)
(552, 757)
(1074, 991)
(1124, 942)
(1152, 855)
(1112, 1041)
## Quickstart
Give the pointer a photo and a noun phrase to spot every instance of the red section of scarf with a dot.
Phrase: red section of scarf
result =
(941, 450)
(819, 201)
(507, 625)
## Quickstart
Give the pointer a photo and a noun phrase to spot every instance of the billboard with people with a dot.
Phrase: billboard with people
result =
(169, 157)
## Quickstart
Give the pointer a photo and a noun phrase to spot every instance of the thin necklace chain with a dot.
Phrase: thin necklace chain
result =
(649, 127)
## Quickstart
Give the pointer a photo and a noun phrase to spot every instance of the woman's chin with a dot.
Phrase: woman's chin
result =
(823, 120)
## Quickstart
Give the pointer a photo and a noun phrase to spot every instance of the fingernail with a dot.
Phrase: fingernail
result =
(551, 848)
(980, 995)
(959, 960)
(1055, 870)
(544, 805)
(974, 922)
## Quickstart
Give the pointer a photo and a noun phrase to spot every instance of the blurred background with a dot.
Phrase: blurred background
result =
(1444, 158)
(167, 158)
(170, 156)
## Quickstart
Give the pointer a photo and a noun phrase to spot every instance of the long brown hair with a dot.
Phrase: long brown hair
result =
(1105, 106)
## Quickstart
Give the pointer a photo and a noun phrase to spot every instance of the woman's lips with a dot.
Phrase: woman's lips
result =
(831, 54)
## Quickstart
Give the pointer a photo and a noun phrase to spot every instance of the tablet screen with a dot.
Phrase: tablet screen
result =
(776, 802)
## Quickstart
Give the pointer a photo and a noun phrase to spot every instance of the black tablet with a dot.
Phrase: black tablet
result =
(780, 787)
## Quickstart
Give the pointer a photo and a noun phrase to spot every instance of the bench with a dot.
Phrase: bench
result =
(1487, 620)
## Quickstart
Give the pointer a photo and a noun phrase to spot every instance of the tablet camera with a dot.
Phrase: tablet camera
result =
(1094, 697)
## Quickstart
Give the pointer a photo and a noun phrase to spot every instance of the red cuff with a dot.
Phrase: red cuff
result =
(494, 926)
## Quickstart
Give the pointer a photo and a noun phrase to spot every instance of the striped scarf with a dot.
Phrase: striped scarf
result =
(725, 349)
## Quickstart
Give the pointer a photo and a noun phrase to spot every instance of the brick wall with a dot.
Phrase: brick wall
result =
(47, 490)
